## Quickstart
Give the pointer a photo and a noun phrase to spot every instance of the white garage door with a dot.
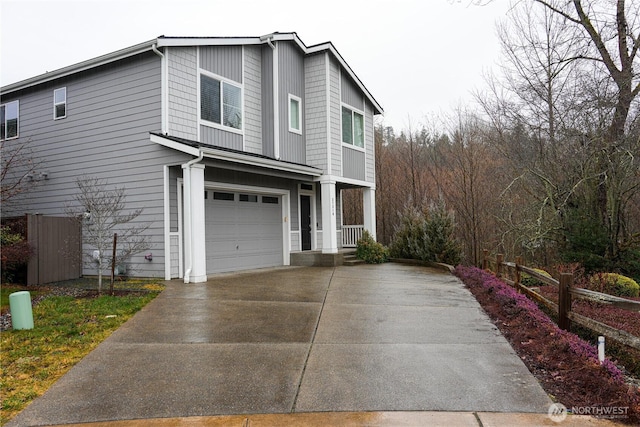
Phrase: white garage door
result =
(243, 231)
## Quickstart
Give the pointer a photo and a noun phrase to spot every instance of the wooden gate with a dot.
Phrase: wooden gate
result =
(57, 243)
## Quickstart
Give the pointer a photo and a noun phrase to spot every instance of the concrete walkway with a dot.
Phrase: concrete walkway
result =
(386, 339)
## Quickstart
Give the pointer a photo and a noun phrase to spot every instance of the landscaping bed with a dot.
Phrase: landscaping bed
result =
(566, 366)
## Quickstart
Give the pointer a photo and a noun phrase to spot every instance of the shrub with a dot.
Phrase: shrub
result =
(529, 280)
(427, 235)
(614, 284)
(370, 251)
(15, 252)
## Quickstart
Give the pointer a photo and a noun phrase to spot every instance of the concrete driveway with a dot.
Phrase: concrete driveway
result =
(388, 337)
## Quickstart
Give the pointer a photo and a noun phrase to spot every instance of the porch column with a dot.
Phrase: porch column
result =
(329, 227)
(194, 236)
(369, 210)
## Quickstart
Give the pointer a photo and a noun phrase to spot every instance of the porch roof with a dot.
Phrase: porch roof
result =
(197, 149)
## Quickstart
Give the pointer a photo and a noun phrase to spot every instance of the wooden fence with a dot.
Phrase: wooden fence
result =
(565, 293)
(57, 243)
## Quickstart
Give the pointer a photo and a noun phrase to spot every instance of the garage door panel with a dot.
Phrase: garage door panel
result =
(243, 232)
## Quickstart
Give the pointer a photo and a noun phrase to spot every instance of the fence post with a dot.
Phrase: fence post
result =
(499, 259)
(485, 255)
(564, 301)
(518, 263)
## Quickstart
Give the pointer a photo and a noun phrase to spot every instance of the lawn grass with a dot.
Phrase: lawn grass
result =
(65, 330)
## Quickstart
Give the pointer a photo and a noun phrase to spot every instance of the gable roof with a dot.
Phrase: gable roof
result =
(163, 41)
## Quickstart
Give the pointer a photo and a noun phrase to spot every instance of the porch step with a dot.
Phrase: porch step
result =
(351, 260)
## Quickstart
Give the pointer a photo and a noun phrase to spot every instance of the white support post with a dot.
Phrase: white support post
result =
(369, 210)
(329, 226)
(195, 243)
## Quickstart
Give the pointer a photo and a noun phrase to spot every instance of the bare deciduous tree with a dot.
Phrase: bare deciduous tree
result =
(17, 170)
(102, 210)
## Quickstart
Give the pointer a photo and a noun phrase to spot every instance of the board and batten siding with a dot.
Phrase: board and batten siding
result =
(182, 78)
(350, 94)
(315, 108)
(290, 81)
(267, 101)
(224, 61)
(353, 162)
(110, 112)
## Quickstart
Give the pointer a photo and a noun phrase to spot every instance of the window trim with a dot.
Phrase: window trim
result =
(364, 127)
(299, 101)
(222, 80)
(17, 135)
(55, 104)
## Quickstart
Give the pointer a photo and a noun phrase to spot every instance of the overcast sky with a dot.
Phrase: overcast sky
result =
(416, 57)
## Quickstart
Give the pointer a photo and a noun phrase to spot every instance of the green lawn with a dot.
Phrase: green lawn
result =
(65, 330)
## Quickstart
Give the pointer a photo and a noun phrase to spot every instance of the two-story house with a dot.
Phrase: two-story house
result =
(237, 149)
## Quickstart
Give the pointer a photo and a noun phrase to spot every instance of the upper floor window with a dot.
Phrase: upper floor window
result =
(9, 116)
(60, 103)
(295, 114)
(352, 127)
(220, 102)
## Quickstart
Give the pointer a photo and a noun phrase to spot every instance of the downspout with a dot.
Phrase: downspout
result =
(187, 207)
(164, 91)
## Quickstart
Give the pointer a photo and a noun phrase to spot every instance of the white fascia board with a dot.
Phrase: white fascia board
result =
(212, 153)
(175, 145)
(329, 47)
(208, 41)
(81, 66)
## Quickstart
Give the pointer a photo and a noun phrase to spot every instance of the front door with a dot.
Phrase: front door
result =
(305, 222)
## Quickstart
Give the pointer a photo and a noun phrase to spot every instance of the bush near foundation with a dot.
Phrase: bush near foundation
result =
(370, 251)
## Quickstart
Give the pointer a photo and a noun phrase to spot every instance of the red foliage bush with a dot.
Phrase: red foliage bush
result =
(566, 365)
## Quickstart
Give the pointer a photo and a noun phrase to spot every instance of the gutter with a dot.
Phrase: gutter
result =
(187, 207)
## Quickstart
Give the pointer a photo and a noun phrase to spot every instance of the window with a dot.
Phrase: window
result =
(270, 200)
(352, 127)
(249, 198)
(9, 120)
(60, 103)
(295, 114)
(220, 102)
(217, 195)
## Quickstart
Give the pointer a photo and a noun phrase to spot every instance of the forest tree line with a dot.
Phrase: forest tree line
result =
(546, 163)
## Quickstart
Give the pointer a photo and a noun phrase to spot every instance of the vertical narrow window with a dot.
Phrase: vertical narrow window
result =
(9, 117)
(295, 114)
(347, 126)
(358, 130)
(60, 103)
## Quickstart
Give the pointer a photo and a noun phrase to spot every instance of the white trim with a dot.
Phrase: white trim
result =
(244, 109)
(286, 208)
(343, 180)
(364, 136)
(299, 101)
(17, 101)
(220, 125)
(328, 104)
(276, 106)
(167, 222)
(165, 91)
(55, 104)
(180, 184)
(174, 145)
(314, 218)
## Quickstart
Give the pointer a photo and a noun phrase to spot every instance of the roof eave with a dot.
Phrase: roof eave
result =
(81, 66)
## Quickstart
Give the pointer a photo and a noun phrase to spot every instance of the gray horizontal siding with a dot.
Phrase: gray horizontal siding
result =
(110, 112)
(335, 118)
(225, 61)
